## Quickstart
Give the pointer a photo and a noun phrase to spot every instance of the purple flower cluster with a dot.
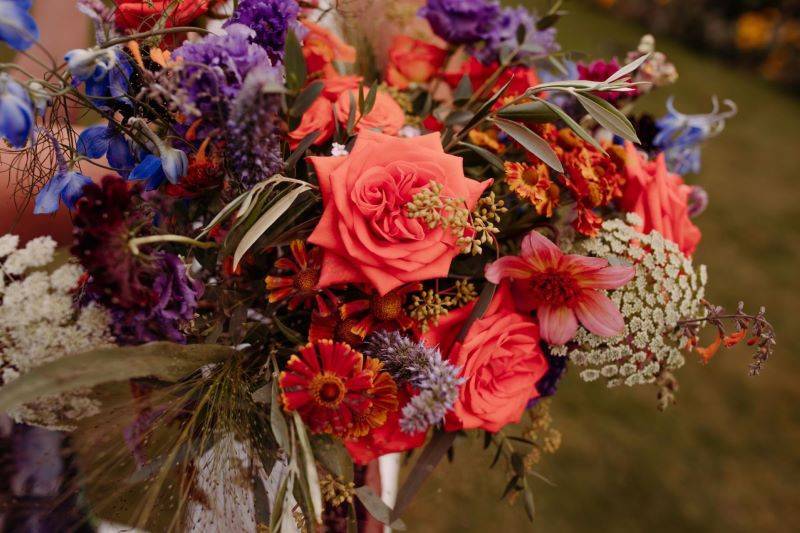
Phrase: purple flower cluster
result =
(213, 71)
(421, 366)
(175, 298)
(461, 21)
(253, 130)
(490, 30)
(269, 20)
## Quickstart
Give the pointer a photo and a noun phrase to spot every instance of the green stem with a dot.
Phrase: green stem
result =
(134, 244)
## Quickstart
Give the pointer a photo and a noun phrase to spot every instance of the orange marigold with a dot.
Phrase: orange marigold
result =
(300, 287)
(532, 182)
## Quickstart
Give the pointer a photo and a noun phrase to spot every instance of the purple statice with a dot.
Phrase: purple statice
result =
(212, 72)
(548, 384)
(461, 21)
(253, 139)
(269, 20)
(174, 302)
(503, 37)
(422, 367)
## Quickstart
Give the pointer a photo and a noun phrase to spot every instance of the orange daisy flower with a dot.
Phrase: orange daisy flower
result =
(336, 390)
(300, 288)
(387, 312)
(532, 182)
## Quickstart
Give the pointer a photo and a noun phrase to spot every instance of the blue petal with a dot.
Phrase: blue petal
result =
(72, 190)
(119, 155)
(93, 141)
(175, 164)
(16, 120)
(150, 171)
(17, 27)
(47, 199)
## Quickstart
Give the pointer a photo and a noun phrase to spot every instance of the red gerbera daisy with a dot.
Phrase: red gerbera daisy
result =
(301, 286)
(387, 312)
(336, 391)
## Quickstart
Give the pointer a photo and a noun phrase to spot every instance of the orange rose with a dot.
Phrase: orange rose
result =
(333, 86)
(500, 359)
(140, 15)
(364, 231)
(318, 117)
(385, 116)
(412, 61)
(321, 48)
(660, 198)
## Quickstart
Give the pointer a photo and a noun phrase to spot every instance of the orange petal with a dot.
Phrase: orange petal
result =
(734, 338)
(708, 352)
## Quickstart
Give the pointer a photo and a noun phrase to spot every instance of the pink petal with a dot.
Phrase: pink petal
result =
(578, 264)
(607, 278)
(540, 251)
(509, 266)
(557, 325)
(599, 315)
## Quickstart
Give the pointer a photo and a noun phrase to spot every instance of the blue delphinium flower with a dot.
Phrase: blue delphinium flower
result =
(680, 136)
(421, 366)
(107, 141)
(17, 27)
(171, 164)
(269, 20)
(105, 72)
(66, 184)
(461, 21)
(16, 112)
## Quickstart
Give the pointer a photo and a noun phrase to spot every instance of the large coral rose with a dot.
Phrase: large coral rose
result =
(660, 198)
(500, 359)
(385, 116)
(412, 61)
(365, 232)
(143, 14)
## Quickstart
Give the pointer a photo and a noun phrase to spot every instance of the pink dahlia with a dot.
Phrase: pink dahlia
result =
(563, 289)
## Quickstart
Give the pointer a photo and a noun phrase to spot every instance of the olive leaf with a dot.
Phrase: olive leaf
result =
(531, 141)
(378, 509)
(164, 360)
(608, 116)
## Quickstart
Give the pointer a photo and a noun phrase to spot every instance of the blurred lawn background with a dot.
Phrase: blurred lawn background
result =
(727, 456)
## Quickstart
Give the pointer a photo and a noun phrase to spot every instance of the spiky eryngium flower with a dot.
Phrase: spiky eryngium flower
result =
(423, 367)
(253, 129)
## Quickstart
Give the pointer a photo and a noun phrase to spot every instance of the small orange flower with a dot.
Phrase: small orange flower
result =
(336, 390)
(708, 352)
(532, 182)
(734, 338)
(387, 312)
(301, 286)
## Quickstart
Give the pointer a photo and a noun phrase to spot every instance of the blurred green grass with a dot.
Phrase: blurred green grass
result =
(727, 456)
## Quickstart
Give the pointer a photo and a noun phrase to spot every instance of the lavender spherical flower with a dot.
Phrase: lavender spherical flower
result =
(461, 21)
(213, 69)
(269, 20)
(503, 36)
(253, 130)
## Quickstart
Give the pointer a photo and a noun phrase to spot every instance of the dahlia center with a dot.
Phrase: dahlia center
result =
(555, 288)
(388, 307)
(344, 331)
(306, 280)
(327, 390)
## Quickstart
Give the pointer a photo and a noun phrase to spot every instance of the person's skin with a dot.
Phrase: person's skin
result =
(62, 27)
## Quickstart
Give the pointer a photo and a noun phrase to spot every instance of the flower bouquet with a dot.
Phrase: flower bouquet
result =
(306, 237)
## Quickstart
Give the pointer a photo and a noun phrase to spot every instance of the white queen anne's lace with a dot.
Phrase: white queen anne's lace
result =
(665, 289)
(39, 323)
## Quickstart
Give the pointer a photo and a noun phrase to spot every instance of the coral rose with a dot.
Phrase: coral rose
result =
(333, 86)
(143, 14)
(412, 61)
(500, 358)
(385, 116)
(318, 117)
(321, 48)
(660, 198)
(365, 232)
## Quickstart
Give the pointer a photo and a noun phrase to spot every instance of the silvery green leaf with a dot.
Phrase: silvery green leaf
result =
(265, 221)
(458, 117)
(333, 455)
(627, 69)
(165, 360)
(574, 126)
(378, 509)
(298, 152)
(463, 90)
(608, 116)
(280, 430)
(369, 102)
(531, 141)
(306, 97)
(535, 111)
(490, 158)
(294, 62)
(310, 467)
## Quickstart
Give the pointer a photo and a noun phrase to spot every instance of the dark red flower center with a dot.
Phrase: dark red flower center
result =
(327, 390)
(388, 307)
(554, 288)
(306, 280)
